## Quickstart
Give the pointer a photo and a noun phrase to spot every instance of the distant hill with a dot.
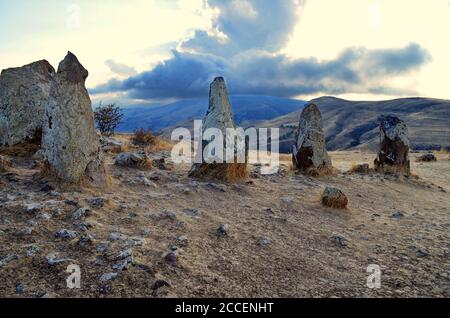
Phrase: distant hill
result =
(354, 124)
(246, 108)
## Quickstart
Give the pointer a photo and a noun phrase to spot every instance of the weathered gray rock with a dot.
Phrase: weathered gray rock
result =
(24, 92)
(310, 153)
(111, 145)
(393, 156)
(70, 142)
(219, 116)
(133, 160)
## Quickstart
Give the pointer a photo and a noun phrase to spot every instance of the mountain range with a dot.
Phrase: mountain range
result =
(347, 124)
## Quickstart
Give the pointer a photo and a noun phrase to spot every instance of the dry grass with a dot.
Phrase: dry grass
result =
(4, 164)
(227, 172)
(143, 137)
(21, 150)
(361, 168)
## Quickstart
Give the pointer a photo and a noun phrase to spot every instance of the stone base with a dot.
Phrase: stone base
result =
(220, 171)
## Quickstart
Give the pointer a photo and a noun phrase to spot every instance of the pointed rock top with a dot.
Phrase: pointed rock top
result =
(311, 113)
(393, 127)
(219, 113)
(71, 69)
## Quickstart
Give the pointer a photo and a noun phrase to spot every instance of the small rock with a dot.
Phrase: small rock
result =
(168, 215)
(334, 198)
(97, 202)
(159, 284)
(107, 277)
(81, 213)
(32, 207)
(103, 247)
(340, 240)
(171, 258)
(8, 259)
(264, 241)
(422, 254)
(86, 239)
(45, 187)
(71, 202)
(32, 250)
(53, 260)
(124, 254)
(183, 240)
(19, 288)
(66, 234)
(223, 230)
(429, 157)
(398, 215)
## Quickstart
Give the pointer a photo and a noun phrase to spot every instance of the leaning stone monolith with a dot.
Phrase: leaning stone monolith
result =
(393, 156)
(70, 142)
(219, 116)
(24, 92)
(309, 154)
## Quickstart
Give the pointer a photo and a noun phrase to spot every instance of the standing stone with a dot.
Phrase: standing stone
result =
(393, 156)
(220, 116)
(309, 153)
(70, 142)
(24, 92)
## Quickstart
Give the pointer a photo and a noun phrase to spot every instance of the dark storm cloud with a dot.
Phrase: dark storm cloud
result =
(247, 58)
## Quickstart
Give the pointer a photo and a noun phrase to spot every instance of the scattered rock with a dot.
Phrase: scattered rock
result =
(32, 250)
(398, 215)
(393, 156)
(53, 260)
(223, 230)
(70, 142)
(171, 258)
(133, 160)
(183, 240)
(71, 202)
(81, 213)
(124, 254)
(98, 202)
(264, 241)
(8, 259)
(334, 198)
(111, 145)
(66, 234)
(44, 186)
(107, 277)
(160, 283)
(340, 240)
(429, 157)
(309, 154)
(32, 207)
(19, 288)
(169, 215)
(422, 254)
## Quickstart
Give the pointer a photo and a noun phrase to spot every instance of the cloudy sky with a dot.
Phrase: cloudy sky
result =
(155, 51)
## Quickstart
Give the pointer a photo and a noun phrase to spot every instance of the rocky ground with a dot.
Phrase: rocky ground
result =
(155, 234)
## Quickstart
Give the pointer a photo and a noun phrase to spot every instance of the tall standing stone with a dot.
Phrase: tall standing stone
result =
(219, 116)
(70, 142)
(24, 92)
(309, 153)
(393, 156)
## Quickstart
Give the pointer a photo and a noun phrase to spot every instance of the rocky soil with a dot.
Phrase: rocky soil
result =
(158, 233)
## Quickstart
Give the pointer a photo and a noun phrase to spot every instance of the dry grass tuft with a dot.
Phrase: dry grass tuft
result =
(143, 137)
(361, 168)
(227, 172)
